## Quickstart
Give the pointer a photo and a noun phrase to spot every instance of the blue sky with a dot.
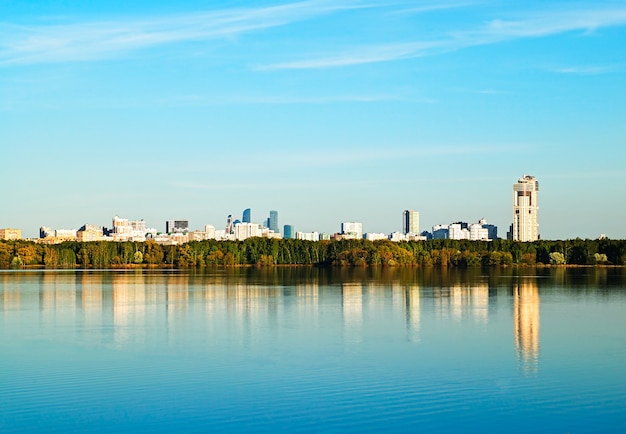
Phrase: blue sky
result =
(326, 111)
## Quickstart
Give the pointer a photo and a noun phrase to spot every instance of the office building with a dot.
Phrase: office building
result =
(176, 226)
(272, 222)
(440, 232)
(288, 232)
(352, 230)
(525, 207)
(411, 222)
(246, 217)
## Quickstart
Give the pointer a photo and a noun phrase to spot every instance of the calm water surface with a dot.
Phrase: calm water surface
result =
(309, 350)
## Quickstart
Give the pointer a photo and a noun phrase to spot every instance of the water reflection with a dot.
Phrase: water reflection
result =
(352, 309)
(412, 313)
(128, 309)
(526, 325)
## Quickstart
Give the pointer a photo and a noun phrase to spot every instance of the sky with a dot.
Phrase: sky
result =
(326, 111)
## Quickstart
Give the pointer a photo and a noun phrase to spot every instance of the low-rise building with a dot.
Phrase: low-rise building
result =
(373, 236)
(91, 233)
(397, 237)
(10, 234)
(308, 236)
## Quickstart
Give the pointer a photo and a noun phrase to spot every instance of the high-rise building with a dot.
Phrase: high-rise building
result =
(273, 221)
(525, 226)
(229, 224)
(411, 222)
(246, 216)
(288, 232)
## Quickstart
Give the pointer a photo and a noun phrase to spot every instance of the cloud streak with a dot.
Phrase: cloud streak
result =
(492, 32)
(587, 70)
(97, 40)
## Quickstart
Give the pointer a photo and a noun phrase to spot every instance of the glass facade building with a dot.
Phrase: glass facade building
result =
(273, 221)
(288, 231)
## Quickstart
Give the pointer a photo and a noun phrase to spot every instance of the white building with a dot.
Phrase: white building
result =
(246, 230)
(458, 231)
(373, 236)
(308, 236)
(525, 207)
(352, 230)
(135, 230)
(477, 232)
(397, 237)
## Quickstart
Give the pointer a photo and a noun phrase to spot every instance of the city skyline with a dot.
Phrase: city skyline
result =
(324, 111)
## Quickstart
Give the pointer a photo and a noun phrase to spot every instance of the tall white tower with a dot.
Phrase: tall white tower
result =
(411, 222)
(525, 207)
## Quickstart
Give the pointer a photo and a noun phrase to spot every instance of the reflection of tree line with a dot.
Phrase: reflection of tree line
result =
(129, 300)
(347, 253)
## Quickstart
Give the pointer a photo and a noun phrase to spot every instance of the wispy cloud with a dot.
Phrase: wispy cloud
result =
(204, 100)
(361, 55)
(316, 184)
(435, 6)
(383, 153)
(587, 69)
(494, 31)
(96, 40)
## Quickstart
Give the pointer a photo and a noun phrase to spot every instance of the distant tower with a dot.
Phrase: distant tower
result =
(229, 224)
(273, 221)
(288, 232)
(411, 222)
(246, 216)
(525, 206)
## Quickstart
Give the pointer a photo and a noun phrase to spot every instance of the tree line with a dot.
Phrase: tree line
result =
(346, 253)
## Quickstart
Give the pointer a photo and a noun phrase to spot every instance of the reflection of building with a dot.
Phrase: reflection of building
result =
(526, 325)
(525, 226)
(412, 305)
(462, 301)
(352, 305)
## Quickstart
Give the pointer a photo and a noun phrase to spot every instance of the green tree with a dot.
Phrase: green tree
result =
(557, 258)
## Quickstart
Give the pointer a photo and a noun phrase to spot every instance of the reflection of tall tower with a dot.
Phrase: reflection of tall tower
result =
(525, 226)
(526, 325)
(412, 294)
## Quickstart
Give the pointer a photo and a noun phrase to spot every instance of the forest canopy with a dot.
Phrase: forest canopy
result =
(346, 253)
